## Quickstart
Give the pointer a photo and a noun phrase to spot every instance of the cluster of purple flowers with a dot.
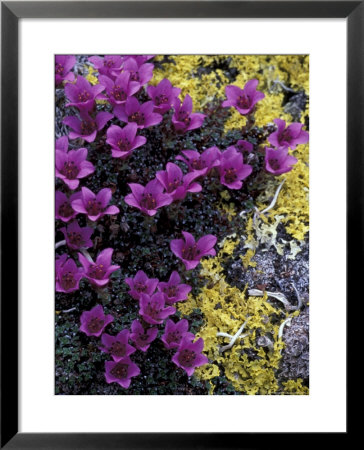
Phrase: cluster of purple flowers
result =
(120, 80)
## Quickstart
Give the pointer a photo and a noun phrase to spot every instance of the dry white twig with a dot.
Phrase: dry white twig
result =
(60, 243)
(277, 295)
(233, 338)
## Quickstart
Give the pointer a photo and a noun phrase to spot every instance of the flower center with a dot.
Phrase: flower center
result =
(190, 253)
(117, 348)
(183, 116)
(88, 127)
(75, 238)
(59, 69)
(186, 358)
(243, 101)
(119, 371)
(286, 136)
(93, 207)
(140, 287)
(118, 93)
(161, 99)
(123, 144)
(137, 117)
(68, 281)
(65, 210)
(148, 201)
(230, 175)
(152, 310)
(175, 336)
(143, 337)
(171, 291)
(70, 170)
(173, 185)
(95, 324)
(134, 76)
(109, 63)
(97, 271)
(274, 163)
(84, 96)
(198, 164)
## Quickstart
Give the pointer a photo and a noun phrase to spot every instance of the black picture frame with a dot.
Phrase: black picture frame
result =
(11, 12)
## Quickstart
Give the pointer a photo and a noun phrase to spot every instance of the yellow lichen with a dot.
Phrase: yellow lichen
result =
(295, 387)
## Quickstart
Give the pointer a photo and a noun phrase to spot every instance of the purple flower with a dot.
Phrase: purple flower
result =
(244, 146)
(82, 94)
(175, 332)
(152, 308)
(149, 198)
(121, 371)
(175, 183)
(141, 284)
(291, 136)
(140, 73)
(141, 114)
(163, 95)
(119, 90)
(95, 206)
(124, 140)
(189, 355)
(278, 161)
(203, 162)
(62, 144)
(68, 275)
(64, 209)
(64, 63)
(117, 346)
(98, 272)
(142, 337)
(190, 251)
(77, 237)
(232, 169)
(108, 64)
(183, 119)
(93, 322)
(140, 59)
(173, 290)
(86, 127)
(245, 99)
(72, 165)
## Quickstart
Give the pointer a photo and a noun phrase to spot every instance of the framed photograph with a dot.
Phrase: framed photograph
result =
(178, 219)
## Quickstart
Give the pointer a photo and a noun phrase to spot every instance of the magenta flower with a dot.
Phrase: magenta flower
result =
(124, 140)
(64, 65)
(93, 322)
(108, 64)
(175, 183)
(141, 114)
(142, 337)
(141, 284)
(153, 309)
(278, 161)
(163, 95)
(173, 290)
(183, 119)
(141, 73)
(232, 169)
(68, 275)
(190, 251)
(140, 59)
(64, 209)
(86, 127)
(98, 272)
(77, 237)
(189, 355)
(119, 90)
(95, 206)
(72, 165)
(244, 146)
(291, 136)
(62, 144)
(149, 198)
(203, 162)
(117, 346)
(121, 371)
(175, 332)
(243, 100)
(82, 94)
